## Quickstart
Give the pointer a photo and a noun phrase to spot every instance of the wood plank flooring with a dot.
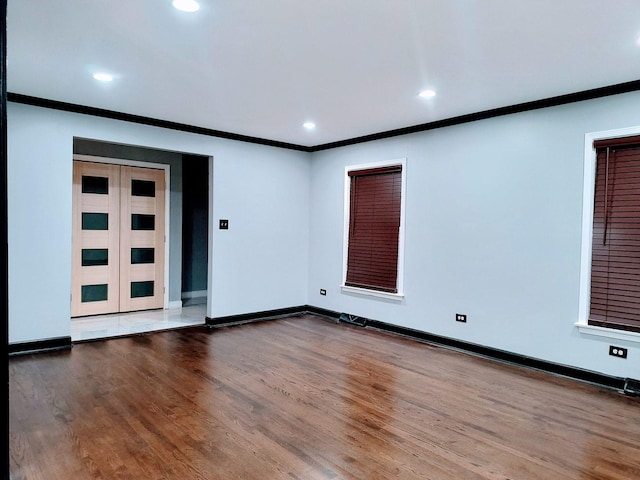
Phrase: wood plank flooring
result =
(305, 398)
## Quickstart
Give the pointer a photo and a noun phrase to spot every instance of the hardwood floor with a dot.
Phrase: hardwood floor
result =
(304, 398)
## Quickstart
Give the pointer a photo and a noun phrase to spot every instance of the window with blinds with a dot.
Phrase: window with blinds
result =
(615, 265)
(374, 228)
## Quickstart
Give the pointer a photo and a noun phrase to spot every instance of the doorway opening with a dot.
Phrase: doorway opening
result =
(186, 277)
(195, 227)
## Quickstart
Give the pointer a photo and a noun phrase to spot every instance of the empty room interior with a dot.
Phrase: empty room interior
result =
(323, 240)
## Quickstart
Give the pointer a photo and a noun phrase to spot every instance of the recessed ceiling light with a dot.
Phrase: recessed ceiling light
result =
(309, 125)
(103, 77)
(186, 5)
(427, 94)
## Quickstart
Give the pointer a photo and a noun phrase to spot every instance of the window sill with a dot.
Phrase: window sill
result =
(608, 332)
(398, 297)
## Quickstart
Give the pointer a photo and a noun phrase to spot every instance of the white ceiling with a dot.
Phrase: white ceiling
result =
(354, 67)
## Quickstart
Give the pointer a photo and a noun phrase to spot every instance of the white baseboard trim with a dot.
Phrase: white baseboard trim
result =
(175, 304)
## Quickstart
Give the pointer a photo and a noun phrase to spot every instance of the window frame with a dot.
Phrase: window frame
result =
(399, 296)
(588, 198)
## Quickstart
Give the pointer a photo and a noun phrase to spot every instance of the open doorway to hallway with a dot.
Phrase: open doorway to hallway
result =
(187, 242)
(195, 224)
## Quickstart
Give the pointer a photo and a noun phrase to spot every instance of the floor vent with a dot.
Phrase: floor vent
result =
(353, 319)
(632, 387)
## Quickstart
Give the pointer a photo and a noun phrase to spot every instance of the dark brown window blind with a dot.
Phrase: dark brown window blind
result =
(374, 228)
(615, 266)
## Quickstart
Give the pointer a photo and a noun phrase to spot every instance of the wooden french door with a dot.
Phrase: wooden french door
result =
(118, 239)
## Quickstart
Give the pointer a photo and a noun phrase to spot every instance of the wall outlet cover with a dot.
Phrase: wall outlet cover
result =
(619, 352)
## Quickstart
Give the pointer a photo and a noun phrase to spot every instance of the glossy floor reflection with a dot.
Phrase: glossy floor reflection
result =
(122, 324)
(306, 398)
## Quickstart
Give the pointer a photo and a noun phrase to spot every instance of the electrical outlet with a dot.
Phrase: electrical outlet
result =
(323, 291)
(617, 352)
(461, 317)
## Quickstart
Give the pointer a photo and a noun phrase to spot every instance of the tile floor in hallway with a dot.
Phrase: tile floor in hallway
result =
(120, 324)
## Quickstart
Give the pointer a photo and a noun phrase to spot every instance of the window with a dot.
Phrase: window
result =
(615, 246)
(374, 228)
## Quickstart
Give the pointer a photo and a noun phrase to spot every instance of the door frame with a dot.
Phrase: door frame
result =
(167, 191)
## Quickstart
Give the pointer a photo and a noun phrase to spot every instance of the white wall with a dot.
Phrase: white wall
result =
(493, 230)
(260, 263)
